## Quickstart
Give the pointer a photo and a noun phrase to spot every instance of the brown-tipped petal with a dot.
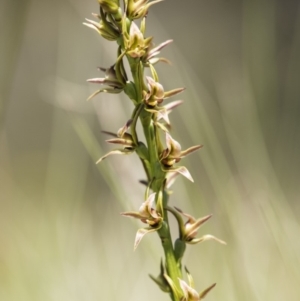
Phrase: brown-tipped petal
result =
(100, 80)
(121, 141)
(156, 50)
(110, 82)
(172, 105)
(115, 152)
(141, 233)
(133, 214)
(206, 291)
(123, 129)
(173, 92)
(193, 227)
(182, 170)
(190, 150)
(205, 238)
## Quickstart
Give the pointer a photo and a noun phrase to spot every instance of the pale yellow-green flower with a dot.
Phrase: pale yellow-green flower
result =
(189, 230)
(148, 215)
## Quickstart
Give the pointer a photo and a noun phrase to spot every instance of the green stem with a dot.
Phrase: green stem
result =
(173, 269)
(137, 77)
(134, 117)
(157, 177)
(145, 161)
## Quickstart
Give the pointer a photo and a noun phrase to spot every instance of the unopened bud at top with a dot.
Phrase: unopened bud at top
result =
(138, 8)
(110, 6)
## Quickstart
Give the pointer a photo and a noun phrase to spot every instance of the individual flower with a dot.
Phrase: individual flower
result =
(189, 229)
(173, 154)
(105, 28)
(156, 93)
(138, 8)
(121, 138)
(110, 79)
(110, 6)
(135, 43)
(148, 215)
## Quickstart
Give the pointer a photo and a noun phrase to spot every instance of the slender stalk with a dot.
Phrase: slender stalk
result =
(159, 163)
(157, 180)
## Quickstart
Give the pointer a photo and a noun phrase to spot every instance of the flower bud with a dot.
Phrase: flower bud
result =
(138, 8)
(135, 43)
(105, 29)
(110, 6)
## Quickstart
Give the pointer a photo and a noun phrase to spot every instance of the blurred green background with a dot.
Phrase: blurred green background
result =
(61, 235)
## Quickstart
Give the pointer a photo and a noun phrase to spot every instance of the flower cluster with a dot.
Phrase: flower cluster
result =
(117, 21)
